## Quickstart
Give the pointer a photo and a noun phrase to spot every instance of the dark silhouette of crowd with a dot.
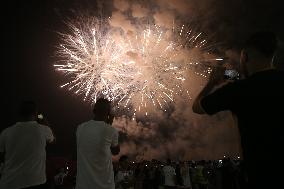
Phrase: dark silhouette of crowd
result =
(225, 173)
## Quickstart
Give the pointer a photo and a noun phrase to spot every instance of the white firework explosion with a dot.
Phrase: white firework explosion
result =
(139, 70)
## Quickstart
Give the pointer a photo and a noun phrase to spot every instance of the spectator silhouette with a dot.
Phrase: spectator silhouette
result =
(186, 175)
(256, 100)
(23, 146)
(97, 141)
(169, 174)
(179, 179)
(124, 176)
(59, 178)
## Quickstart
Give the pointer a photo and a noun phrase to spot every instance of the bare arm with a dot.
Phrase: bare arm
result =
(110, 119)
(197, 107)
(216, 78)
(49, 134)
(115, 150)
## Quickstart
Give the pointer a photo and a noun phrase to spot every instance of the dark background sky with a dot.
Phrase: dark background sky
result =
(28, 30)
(29, 72)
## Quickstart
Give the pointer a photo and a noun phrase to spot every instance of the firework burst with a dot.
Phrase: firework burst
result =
(139, 70)
(151, 54)
(93, 61)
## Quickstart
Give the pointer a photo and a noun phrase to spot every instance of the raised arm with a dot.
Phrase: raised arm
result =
(115, 148)
(49, 134)
(216, 77)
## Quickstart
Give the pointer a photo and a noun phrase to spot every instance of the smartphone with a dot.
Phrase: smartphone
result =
(40, 116)
(231, 74)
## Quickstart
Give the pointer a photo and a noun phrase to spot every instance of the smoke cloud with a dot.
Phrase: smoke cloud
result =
(121, 5)
(119, 20)
(181, 134)
(138, 11)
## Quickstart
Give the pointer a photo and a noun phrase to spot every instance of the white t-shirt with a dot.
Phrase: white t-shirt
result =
(169, 173)
(25, 157)
(94, 158)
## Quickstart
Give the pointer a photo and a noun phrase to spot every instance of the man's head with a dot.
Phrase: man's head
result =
(28, 110)
(258, 53)
(169, 162)
(123, 161)
(102, 108)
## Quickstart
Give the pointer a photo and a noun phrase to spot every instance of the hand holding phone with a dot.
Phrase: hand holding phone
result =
(231, 74)
(40, 116)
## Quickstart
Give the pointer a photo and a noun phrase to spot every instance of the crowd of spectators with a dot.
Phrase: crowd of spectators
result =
(130, 174)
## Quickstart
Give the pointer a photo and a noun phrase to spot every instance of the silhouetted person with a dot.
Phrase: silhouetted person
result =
(257, 100)
(185, 175)
(169, 174)
(23, 146)
(179, 179)
(158, 177)
(97, 141)
(59, 178)
(124, 176)
(200, 176)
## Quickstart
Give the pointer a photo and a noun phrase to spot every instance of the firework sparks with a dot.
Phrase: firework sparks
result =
(158, 77)
(139, 71)
(92, 59)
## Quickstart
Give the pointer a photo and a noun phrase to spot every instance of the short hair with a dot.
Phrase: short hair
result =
(27, 108)
(102, 106)
(265, 42)
(169, 161)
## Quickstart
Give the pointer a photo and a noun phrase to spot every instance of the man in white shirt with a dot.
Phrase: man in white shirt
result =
(97, 141)
(22, 147)
(169, 173)
(124, 176)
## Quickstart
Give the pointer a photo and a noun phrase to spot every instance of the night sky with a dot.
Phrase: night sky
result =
(30, 36)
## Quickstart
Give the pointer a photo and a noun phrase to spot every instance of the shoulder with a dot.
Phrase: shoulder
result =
(85, 123)
(234, 84)
(8, 129)
(44, 128)
(222, 92)
(4, 132)
(112, 129)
